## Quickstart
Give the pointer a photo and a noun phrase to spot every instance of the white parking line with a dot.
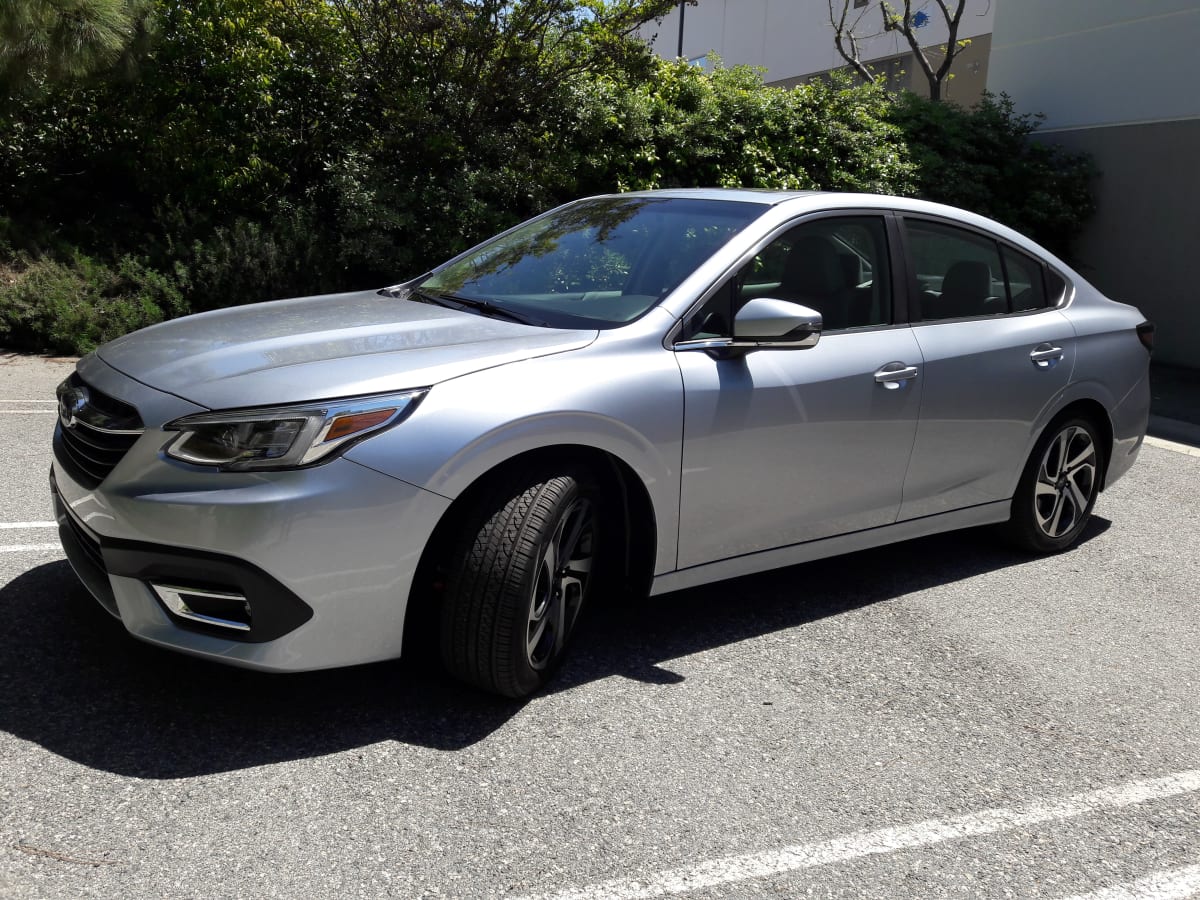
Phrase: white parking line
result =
(28, 412)
(1163, 444)
(730, 869)
(4, 525)
(1170, 885)
(20, 548)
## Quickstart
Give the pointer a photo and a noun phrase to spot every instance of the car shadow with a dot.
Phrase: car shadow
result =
(73, 681)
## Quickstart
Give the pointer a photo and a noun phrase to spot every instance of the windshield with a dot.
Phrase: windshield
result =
(595, 264)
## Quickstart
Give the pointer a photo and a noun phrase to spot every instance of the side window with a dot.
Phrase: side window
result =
(1056, 287)
(957, 273)
(1025, 288)
(837, 266)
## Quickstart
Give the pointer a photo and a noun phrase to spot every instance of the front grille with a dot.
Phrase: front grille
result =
(94, 431)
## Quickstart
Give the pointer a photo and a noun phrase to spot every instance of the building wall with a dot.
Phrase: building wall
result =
(966, 86)
(1121, 81)
(793, 39)
(1098, 62)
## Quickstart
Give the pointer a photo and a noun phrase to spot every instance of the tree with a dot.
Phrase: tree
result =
(847, 35)
(62, 40)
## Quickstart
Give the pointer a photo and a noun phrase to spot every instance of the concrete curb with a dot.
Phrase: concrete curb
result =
(1174, 430)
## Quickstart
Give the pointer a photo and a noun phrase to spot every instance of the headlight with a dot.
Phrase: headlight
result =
(284, 437)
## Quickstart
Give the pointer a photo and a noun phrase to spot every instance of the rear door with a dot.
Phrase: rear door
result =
(996, 354)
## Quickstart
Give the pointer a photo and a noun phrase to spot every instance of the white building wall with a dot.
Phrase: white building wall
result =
(792, 38)
(1098, 62)
(1120, 80)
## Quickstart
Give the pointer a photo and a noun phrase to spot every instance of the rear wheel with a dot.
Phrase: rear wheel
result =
(1058, 488)
(519, 580)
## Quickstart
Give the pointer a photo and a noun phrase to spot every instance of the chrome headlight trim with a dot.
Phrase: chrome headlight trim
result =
(285, 437)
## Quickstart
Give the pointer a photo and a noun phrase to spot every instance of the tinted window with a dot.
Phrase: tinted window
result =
(1056, 286)
(1025, 288)
(957, 272)
(597, 263)
(837, 266)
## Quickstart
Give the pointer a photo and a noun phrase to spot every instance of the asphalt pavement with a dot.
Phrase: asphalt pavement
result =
(938, 718)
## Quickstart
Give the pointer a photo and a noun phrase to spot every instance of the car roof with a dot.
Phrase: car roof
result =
(816, 199)
(801, 201)
(763, 196)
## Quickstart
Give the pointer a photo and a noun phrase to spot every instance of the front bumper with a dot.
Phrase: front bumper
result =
(324, 556)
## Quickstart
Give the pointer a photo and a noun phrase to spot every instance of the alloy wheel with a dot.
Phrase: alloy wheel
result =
(561, 583)
(1066, 481)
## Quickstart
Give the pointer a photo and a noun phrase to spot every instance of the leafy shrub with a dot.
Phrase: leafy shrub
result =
(71, 307)
(683, 127)
(278, 149)
(987, 160)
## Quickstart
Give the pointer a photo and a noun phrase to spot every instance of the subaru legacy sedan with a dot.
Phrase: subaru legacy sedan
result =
(632, 393)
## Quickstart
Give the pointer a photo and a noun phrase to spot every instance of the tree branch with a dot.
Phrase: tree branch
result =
(843, 36)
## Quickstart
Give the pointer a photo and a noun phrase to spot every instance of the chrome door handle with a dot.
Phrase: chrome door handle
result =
(1044, 356)
(894, 375)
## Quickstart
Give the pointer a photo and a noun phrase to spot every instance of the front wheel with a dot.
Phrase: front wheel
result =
(1058, 488)
(518, 581)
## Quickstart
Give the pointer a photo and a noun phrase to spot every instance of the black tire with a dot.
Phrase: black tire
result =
(505, 570)
(1058, 488)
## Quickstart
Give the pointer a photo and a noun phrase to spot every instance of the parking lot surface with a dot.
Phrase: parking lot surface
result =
(939, 718)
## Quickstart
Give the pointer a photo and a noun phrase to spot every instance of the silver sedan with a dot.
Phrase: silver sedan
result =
(632, 393)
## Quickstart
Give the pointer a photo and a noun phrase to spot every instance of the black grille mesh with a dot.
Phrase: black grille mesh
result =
(88, 452)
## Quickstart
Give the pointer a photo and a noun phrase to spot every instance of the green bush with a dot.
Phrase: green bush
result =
(683, 127)
(987, 159)
(276, 149)
(72, 307)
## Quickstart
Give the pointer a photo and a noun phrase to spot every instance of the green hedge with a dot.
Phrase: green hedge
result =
(263, 150)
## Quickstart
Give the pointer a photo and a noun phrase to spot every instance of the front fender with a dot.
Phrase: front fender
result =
(629, 405)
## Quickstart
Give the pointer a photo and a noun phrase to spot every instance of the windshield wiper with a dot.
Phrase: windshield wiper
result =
(453, 301)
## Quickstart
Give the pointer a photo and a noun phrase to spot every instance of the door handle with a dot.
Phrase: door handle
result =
(895, 374)
(1044, 356)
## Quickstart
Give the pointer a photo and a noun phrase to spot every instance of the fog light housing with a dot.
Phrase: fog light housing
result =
(218, 609)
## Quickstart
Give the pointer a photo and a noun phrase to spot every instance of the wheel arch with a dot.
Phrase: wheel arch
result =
(633, 507)
(1093, 410)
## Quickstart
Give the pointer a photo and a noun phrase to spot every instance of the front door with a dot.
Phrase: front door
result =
(786, 446)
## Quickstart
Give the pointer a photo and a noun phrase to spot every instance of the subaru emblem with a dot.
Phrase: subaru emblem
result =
(71, 403)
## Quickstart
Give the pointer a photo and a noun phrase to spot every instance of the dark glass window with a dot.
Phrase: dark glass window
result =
(594, 264)
(1025, 287)
(836, 266)
(1056, 287)
(957, 273)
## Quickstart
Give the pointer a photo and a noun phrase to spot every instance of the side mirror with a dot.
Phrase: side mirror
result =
(764, 322)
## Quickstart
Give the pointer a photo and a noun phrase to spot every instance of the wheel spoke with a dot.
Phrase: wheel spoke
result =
(1085, 457)
(1078, 497)
(580, 515)
(1053, 529)
(537, 629)
(559, 612)
(1060, 457)
(579, 568)
(1044, 489)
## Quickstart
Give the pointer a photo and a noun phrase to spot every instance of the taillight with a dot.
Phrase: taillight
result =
(1145, 333)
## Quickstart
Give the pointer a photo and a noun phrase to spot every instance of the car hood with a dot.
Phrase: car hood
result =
(314, 348)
